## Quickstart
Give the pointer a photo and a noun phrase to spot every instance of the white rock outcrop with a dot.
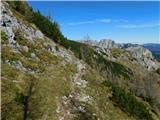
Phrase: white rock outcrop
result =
(143, 56)
(9, 23)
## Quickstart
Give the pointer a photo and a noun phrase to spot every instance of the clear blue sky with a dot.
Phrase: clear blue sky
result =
(135, 22)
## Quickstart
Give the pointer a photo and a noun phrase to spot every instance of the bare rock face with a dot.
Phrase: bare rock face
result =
(143, 56)
(104, 43)
(90, 42)
(107, 43)
(139, 52)
(9, 23)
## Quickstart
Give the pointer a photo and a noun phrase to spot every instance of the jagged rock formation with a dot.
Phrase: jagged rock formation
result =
(138, 52)
(104, 43)
(9, 23)
(107, 44)
(144, 57)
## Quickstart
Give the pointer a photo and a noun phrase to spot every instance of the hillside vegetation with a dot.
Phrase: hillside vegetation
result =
(47, 76)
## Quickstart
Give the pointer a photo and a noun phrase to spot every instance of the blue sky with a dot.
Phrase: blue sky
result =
(124, 22)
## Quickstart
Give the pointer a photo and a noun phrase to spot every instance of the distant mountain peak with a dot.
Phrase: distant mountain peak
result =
(142, 54)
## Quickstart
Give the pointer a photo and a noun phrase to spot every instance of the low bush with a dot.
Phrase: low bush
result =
(128, 102)
(158, 71)
(4, 39)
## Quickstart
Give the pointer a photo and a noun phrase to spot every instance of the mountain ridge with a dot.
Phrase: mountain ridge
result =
(138, 51)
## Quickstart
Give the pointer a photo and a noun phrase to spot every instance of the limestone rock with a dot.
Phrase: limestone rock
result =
(25, 48)
(144, 57)
(10, 22)
(141, 54)
(33, 55)
(107, 43)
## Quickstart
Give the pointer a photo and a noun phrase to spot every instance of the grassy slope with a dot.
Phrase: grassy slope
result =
(102, 105)
(40, 88)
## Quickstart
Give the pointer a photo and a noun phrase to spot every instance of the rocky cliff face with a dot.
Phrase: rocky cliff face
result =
(104, 43)
(9, 23)
(143, 56)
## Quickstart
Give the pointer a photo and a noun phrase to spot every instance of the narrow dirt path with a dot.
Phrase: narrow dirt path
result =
(71, 103)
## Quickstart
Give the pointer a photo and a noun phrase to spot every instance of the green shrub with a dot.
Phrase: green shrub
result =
(73, 46)
(4, 39)
(129, 103)
(116, 52)
(150, 100)
(49, 28)
(115, 68)
(23, 8)
(158, 71)
(20, 98)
